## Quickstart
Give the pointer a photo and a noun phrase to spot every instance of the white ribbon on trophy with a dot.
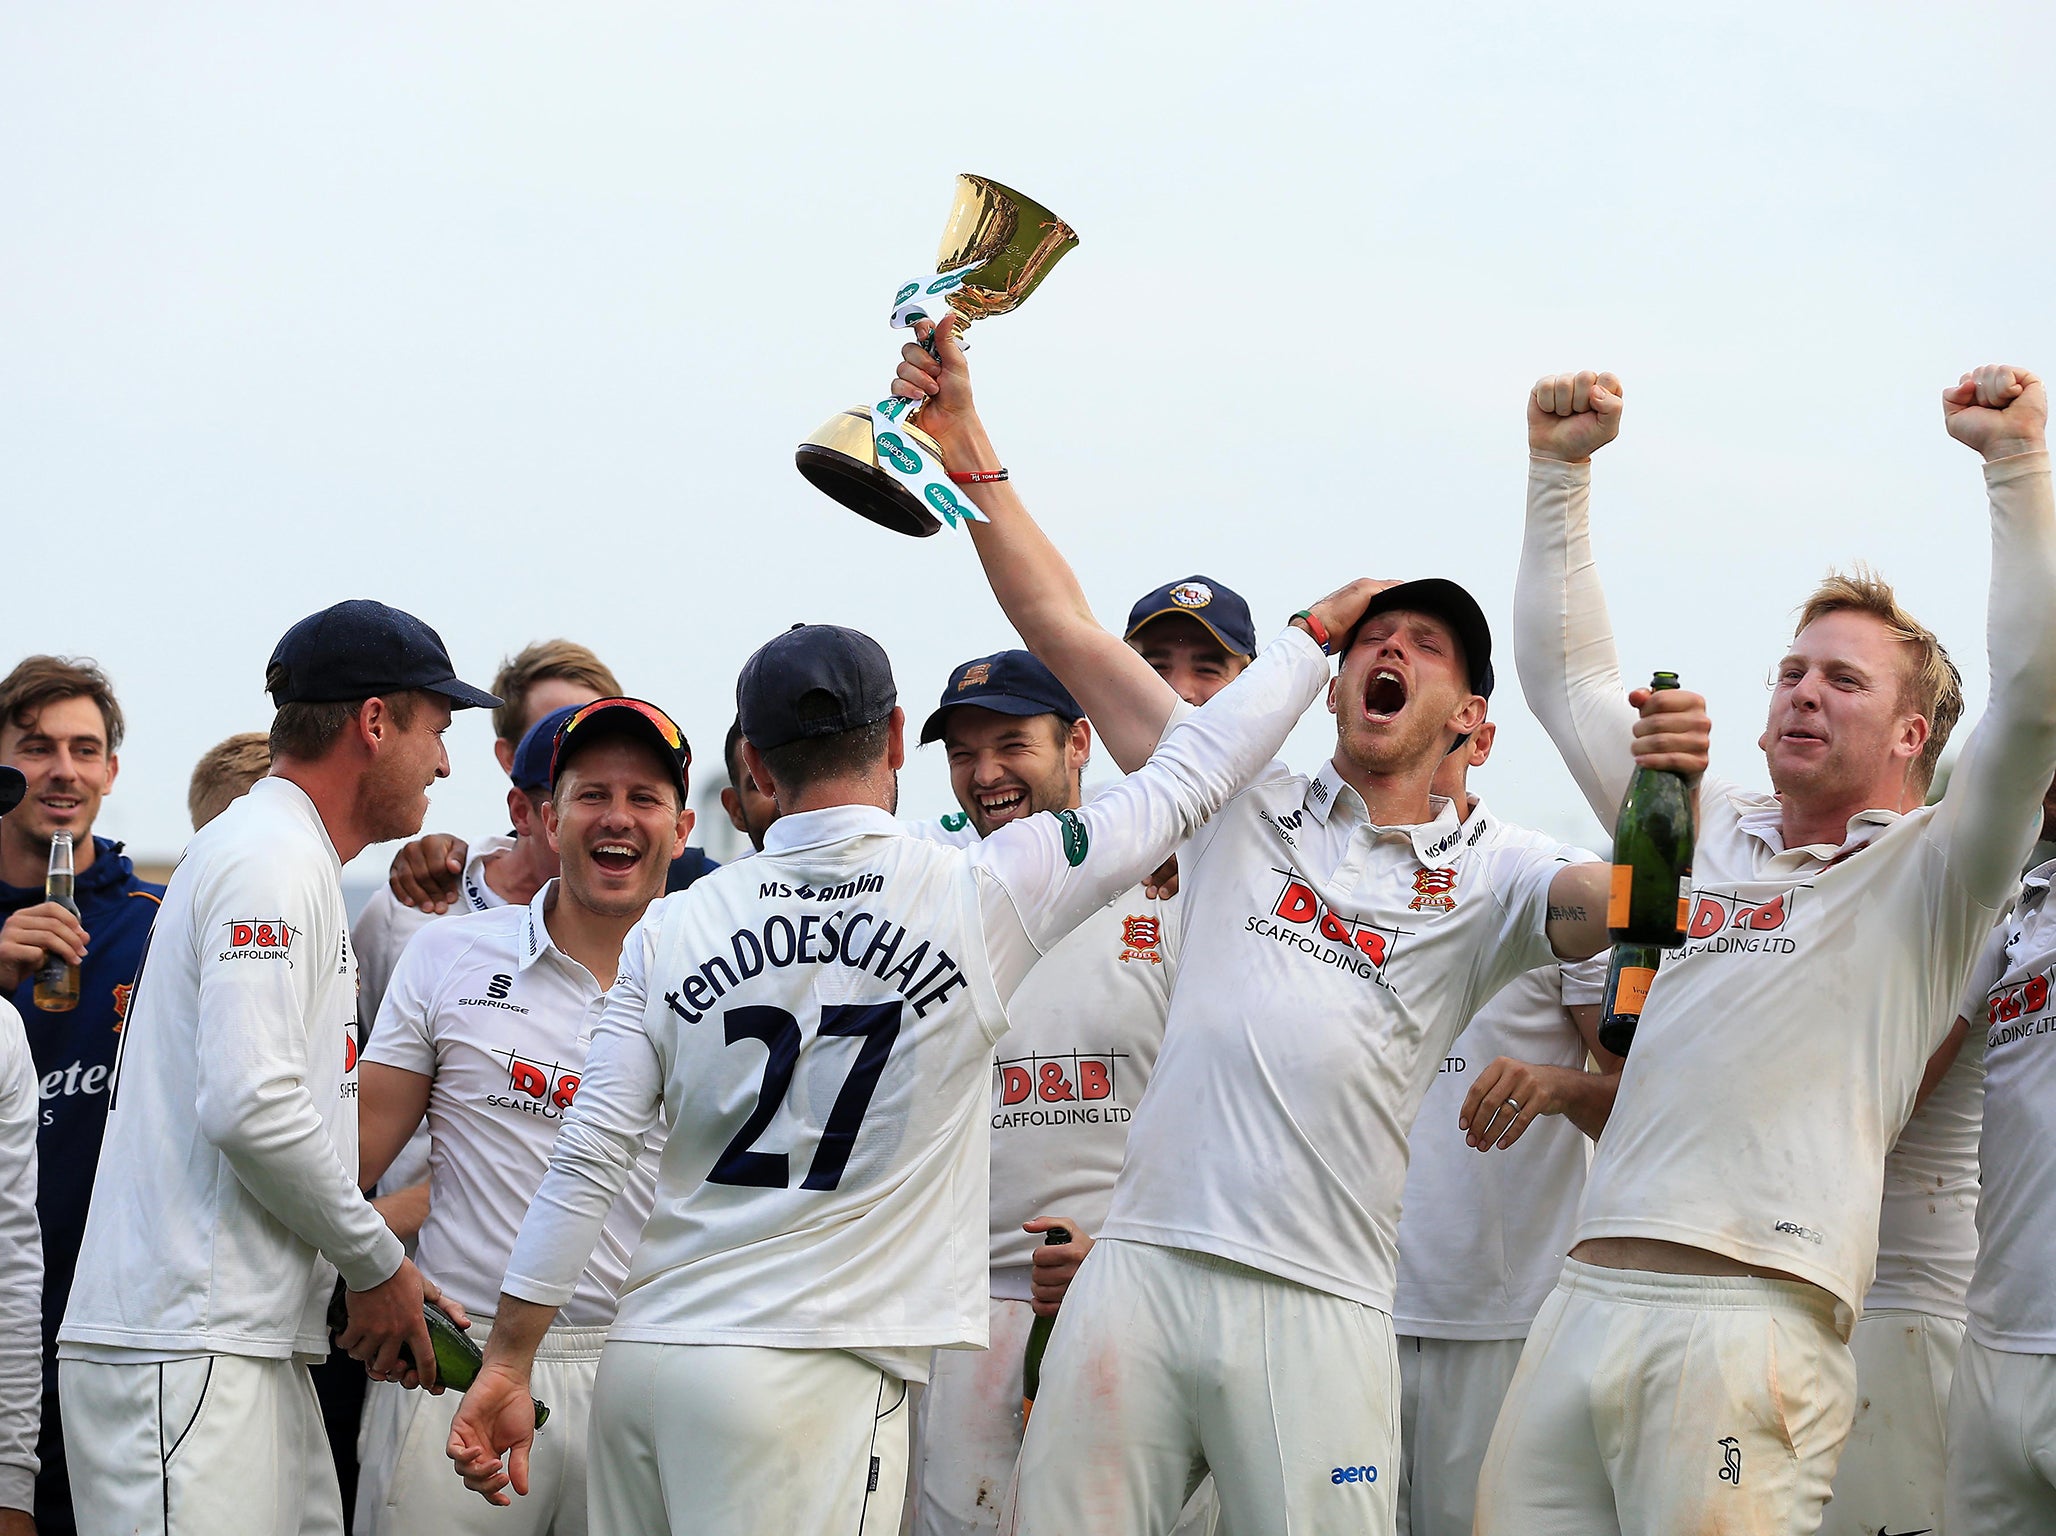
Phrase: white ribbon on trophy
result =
(898, 455)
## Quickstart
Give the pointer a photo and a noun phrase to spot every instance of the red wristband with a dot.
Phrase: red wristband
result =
(1317, 629)
(977, 476)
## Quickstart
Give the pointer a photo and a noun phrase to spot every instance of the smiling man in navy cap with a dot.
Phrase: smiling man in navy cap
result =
(226, 1197)
(1196, 633)
(1082, 1035)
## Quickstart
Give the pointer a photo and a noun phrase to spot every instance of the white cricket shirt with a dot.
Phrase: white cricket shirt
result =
(819, 1023)
(1780, 1050)
(1483, 1235)
(226, 1194)
(1927, 1228)
(21, 1268)
(1083, 1032)
(1325, 968)
(2012, 1015)
(499, 1018)
(385, 924)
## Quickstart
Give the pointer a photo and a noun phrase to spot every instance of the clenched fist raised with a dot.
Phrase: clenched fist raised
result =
(1997, 410)
(1572, 414)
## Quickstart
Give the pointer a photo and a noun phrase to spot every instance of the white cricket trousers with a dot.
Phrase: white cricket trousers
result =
(2002, 1444)
(1449, 1396)
(1655, 1405)
(720, 1440)
(1167, 1363)
(1890, 1477)
(967, 1436)
(407, 1485)
(217, 1445)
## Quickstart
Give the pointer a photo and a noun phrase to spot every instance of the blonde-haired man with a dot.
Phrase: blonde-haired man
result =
(225, 773)
(1692, 1370)
(539, 678)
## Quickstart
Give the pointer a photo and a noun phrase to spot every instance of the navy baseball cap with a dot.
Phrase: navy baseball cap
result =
(359, 649)
(584, 724)
(531, 769)
(813, 680)
(1455, 607)
(12, 787)
(1221, 609)
(1007, 683)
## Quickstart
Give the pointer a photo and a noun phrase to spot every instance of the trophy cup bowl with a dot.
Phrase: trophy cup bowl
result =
(1004, 245)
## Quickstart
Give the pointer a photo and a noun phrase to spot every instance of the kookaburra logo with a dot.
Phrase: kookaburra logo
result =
(1731, 1461)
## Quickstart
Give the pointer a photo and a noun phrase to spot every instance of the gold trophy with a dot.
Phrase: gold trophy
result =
(997, 246)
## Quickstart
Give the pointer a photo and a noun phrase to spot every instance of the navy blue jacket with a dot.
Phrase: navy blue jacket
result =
(74, 1055)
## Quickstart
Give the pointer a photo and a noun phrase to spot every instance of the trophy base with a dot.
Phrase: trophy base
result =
(837, 461)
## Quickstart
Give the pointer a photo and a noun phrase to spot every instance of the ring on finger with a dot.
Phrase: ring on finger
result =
(1514, 1105)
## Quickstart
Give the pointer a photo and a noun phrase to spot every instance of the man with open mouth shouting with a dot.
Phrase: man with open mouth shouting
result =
(1236, 1315)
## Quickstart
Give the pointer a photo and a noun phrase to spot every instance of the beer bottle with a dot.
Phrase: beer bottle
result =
(1651, 893)
(57, 979)
(1038, 1337)
(1628, 975)
(457, 1359)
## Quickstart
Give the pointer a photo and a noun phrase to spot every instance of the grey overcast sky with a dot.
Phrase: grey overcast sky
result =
(511, 315)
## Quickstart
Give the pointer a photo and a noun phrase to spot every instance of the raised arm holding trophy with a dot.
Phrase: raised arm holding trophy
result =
(997, 246)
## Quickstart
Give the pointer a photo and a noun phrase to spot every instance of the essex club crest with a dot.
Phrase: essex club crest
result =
(1140, 938)
(1432, 889)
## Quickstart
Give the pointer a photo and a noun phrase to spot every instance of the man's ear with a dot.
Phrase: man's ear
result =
(1333, 683)
(1481, 742)
(759, 770)
(896, 749)
(1078, 745)
(685, 821)
(731, 802)
(503, 753)
(520, 812)
(550, 824)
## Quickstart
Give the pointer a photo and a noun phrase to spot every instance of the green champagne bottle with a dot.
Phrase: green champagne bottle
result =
(1038, 1337)
(1651, 893)
(1628, 975)
(457, 1359)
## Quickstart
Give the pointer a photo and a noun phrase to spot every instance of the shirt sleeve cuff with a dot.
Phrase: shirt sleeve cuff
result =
(379, 1265)
(542, 1294)
(1560, 471)
(2017, 467)
(17, 1486)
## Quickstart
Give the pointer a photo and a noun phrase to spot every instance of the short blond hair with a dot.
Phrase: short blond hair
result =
(225, 773)
(533, 664)
(1931, 685)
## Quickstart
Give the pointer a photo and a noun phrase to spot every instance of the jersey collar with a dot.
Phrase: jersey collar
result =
(1764, 819)
(830, 824)
(535, 931)
(1329, 794)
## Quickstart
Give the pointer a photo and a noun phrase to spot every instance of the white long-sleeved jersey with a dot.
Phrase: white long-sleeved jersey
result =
(21, 1268)
(819, 1024)
(2010, 1001)
(226, 1195)
(1780, 1050)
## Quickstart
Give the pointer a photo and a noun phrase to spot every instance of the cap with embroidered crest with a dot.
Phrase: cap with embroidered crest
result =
(1220, 608)
(1007, 683)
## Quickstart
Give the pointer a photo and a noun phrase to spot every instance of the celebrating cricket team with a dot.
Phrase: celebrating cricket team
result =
(1222, 1147)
